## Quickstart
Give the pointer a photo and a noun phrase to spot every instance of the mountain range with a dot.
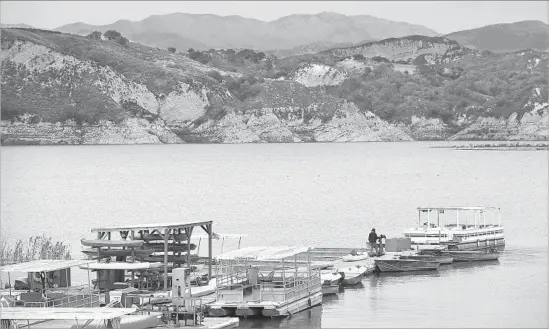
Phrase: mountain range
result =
(184, 31)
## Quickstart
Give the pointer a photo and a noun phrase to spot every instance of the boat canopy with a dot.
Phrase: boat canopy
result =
(150, 227)
(120, 266)
(456, 208)
(61, 313)
(45, 265)
(221, 236)
(263, 253)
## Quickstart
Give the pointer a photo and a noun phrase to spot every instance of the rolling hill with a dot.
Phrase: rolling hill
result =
(60, 88)
(506, 37)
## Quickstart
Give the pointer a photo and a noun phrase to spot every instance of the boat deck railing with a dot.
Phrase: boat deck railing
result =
(273, 287)
(75, 300)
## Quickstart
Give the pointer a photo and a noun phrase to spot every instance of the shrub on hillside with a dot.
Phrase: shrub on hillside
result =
(216, 75)
(122, 40)
(202, 57)
(96, 35)
(245, 87)
(112, 34)
(171, 49)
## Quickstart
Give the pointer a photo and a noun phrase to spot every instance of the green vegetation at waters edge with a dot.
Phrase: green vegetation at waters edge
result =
(37, 247)
(510, 146)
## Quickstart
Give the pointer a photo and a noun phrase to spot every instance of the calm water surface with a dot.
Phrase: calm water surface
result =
(325, 195)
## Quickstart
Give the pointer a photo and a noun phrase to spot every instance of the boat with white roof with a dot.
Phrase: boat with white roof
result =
(458, 228)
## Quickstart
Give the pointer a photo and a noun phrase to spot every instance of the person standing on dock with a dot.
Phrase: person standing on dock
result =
(372, 238)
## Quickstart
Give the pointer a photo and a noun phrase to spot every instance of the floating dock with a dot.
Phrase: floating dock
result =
(266, 281)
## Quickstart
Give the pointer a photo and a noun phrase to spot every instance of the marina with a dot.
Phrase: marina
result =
(398, 286)
(173, 288)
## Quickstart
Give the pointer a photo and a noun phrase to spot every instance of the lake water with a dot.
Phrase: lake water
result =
(325, 195)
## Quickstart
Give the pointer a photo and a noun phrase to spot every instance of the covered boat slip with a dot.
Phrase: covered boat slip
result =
(265, 281)
(52, 279)
(171, 235)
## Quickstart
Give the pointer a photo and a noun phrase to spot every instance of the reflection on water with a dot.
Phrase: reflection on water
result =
(467, 265)
(381, 275)
(310, 319)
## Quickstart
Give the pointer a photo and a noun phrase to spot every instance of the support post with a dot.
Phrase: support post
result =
(189, 232)
(9, 282)
(284, 278)
(210, 231)
(166, 236)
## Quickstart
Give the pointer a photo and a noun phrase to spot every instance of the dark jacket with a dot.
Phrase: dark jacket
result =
(372, 238)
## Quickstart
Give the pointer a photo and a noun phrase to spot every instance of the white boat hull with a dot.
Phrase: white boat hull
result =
(330, 289)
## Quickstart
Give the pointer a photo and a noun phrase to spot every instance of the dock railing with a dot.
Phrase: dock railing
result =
(76, 300)
(275, 283)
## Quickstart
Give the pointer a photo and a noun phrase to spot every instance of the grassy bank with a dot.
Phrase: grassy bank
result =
(37, 247)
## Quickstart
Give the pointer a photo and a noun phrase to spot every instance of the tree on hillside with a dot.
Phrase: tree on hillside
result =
(268, 64)
(96, 35)
(171, 49)
(112, 35)
(122, 40)
(358, 57)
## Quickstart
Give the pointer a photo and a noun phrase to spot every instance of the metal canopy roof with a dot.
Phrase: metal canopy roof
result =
(457, 208)
(262, 253)
(45, 265)
(120, 266)
(151, 226)
(61, 313)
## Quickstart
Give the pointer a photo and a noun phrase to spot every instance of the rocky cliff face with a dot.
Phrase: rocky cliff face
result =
(314, 75)
(65, 89)
(406, 48)
(287, 111)
(51, 96)
(532, 124)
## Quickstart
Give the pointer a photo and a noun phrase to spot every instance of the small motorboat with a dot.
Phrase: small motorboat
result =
(171, 247)
(111, 243)
(132, 321)
(443, 260)
(405, 265)
(331, 282)
(352, 274)
(471, 256)
(118, 252)
(356, 257)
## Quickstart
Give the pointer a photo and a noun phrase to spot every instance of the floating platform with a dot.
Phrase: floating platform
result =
(268, 309)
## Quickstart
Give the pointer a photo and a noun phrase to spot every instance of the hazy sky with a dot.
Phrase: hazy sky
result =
(441, 16)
